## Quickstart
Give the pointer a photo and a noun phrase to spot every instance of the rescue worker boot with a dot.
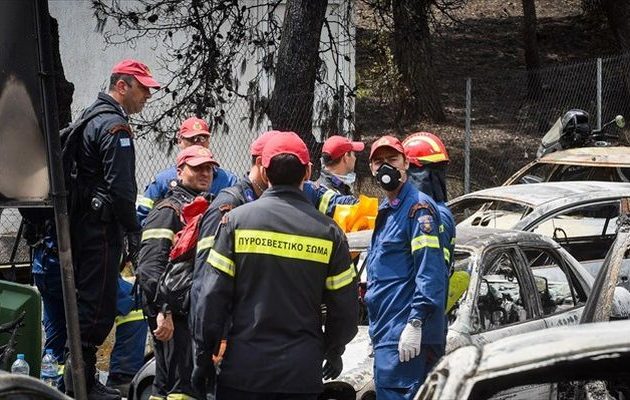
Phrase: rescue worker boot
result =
(102, 392)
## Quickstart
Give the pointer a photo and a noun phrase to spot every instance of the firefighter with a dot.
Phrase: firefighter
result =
(248, 189)
(193, 131)
(105, 210)
(428, 161)
(339, 159)
(171, 334)
(407, 278)
(273, 263)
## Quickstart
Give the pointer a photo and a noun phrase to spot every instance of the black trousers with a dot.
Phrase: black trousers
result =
(96, 253)
(173, 360)
(227, 393)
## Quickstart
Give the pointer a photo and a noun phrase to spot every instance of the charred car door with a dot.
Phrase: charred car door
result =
(505, 303)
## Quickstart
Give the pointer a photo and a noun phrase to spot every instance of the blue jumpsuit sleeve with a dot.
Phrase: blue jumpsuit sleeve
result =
(324, 199)
(154, 191)
(428, 258)
(119, 172)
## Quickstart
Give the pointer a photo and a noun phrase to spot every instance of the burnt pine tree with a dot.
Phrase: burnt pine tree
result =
(297, 68)
(413, 56)
(618, 15)
(532, 56)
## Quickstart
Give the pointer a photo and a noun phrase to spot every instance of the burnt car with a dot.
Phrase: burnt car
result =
(581, 216)
(504, 283)
(611, 164)
(586, 362)
(558, 363)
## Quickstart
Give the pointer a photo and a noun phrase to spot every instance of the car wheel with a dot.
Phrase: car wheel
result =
(145, 392)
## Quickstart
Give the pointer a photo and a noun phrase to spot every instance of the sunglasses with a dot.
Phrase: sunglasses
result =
(198, 139)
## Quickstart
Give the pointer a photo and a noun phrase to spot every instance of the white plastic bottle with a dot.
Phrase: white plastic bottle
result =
(20, 366)
(49, 369)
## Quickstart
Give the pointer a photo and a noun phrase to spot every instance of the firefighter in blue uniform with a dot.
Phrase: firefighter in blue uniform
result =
(193, 131)
(276, 345)
(428, 161)
(105, 211)
(338, 159)
(407, 278)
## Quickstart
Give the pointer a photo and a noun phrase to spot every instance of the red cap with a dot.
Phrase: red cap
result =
(192, 127)
(336, 146)
(387, 141)
(195, 155)
(285, 143)
(257, 146)
(138, 70)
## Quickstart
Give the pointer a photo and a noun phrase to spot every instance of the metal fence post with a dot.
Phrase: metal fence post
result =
(599, 93)
(468, 135)
(341, 110)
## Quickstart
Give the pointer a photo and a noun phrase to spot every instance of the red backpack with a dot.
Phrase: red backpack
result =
(176, 280)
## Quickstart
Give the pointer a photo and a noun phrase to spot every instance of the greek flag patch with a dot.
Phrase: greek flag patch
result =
(125, 142)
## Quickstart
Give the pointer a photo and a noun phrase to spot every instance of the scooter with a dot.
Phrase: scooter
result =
(556, 139)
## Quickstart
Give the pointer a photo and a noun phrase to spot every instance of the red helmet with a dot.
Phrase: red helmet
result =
(424, 148)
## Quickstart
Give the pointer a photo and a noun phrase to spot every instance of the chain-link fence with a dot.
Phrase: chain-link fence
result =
(511, 113)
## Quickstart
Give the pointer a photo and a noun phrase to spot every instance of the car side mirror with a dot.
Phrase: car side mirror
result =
(484, 289)
(620, 121)
(542, 285)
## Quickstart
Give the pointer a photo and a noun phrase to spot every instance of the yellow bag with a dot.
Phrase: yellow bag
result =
(357, 217)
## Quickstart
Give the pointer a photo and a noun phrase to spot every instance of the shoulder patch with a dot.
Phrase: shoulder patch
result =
(125, 142)
(419, 206)
(114, 130)
(173, 183)
(426, 223)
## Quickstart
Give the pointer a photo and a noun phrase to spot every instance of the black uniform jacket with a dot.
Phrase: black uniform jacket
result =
(274, 262)
(163, 223)
(106, 164)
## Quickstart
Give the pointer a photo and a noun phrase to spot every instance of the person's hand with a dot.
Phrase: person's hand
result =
(410, 342)
(203, 375)
(133, 247)
(332, 367)
(165, 328)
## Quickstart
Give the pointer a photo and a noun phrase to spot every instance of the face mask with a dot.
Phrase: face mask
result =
(348, 178)
(388, 177)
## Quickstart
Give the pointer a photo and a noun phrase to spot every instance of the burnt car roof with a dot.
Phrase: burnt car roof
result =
(466, 236)
(553, 343)
(617, 156)
(537, 194)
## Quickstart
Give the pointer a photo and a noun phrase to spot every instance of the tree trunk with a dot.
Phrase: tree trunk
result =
(291, 107)
(618, 14)
(532, 57)
(414, 59)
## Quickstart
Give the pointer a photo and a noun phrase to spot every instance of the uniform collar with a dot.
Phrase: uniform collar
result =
(109, 99)
(280, 190)
(332, 178)
(186, 191)
(395, 203)
(248, 189)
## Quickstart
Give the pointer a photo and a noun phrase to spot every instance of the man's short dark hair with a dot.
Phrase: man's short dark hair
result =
(329, 162)
(128, 79)
(285, 169)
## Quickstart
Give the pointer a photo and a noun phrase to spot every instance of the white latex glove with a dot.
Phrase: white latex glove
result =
(409, 343)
